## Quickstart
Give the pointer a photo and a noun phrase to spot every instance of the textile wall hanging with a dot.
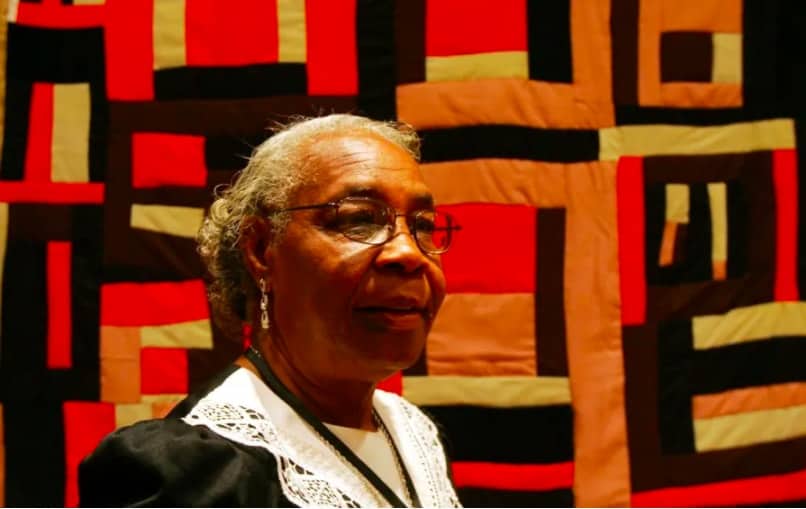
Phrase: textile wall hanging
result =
(624, 324)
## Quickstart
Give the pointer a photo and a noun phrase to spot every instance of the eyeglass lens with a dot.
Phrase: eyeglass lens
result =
(372, 222)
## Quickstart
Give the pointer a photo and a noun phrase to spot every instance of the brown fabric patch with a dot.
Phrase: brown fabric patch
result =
(552, 359)
(3, 42)
(686, 56)
(40, 222)
(624, 30)
(410, 41)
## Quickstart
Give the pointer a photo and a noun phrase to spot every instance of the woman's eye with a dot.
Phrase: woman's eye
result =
(359, 217)
(424, 225)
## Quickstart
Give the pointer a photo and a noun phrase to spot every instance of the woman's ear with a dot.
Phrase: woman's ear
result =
(257, 236)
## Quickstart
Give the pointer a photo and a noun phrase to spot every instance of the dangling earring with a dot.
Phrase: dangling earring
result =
(264, 306)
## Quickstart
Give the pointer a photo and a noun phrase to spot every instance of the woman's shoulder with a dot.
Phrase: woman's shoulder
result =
(168, 462)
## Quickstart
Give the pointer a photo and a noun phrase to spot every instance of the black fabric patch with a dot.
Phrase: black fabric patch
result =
(34, 456)
(737, 229)
(629, 115)
(764, 362)
(230, 82)
(675, 350)
(375, 33)
(767, 58)
(476, 433)
(23, 375)
(230, 152)
(549, 42)
(509, 141)
(800, 135)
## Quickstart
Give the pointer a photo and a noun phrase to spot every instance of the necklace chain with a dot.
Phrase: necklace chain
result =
(401, 472)
(396, 455)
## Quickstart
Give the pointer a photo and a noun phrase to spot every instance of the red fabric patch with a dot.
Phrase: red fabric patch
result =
(56, 15)
(392, 384)
(785, 181)
(40, 134)
(129, 50)
(163, 371)
(630, 197)
(495, 251)
(135, 304)
(54, 193)
(219, 33)
(502, 476)
(755, 491)
(85, 425)
(332, 60)
(60, 319)
(160, 159)
(461, 27)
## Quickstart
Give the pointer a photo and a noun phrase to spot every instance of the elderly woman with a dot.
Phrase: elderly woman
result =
(329, 246)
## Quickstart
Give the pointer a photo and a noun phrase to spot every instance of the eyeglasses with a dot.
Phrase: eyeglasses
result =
(372, 221)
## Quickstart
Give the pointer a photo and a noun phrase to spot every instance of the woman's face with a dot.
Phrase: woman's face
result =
(346, 310)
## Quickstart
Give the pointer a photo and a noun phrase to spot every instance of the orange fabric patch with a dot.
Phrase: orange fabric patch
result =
(120, 364)
(749, 399)
(593, 332)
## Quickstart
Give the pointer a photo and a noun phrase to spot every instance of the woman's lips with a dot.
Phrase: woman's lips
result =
(395, 318)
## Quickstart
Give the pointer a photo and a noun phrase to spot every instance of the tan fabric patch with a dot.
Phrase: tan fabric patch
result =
(483, 335)
(727, 58)
(651, 140)
(70, 145)
(488, 391)
(292, 44)
(751, 323)
(749, 428)
(171, 220)
(502, 64)
(169, 34)
(196, 334)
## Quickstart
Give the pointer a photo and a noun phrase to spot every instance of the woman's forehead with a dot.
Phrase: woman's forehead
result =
(365, 165)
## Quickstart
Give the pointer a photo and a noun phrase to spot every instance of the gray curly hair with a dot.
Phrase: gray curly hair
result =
(276, 168)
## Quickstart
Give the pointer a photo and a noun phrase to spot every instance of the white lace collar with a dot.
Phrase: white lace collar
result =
(243, 409)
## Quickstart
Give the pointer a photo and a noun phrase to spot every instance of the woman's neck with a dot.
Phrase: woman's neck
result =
(342, 402)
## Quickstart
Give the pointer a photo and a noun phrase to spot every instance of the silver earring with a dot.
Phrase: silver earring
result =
(264, 306)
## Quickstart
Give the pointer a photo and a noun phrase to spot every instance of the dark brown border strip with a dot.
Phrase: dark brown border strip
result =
(624, 17)
(552, 358)
(410, 40)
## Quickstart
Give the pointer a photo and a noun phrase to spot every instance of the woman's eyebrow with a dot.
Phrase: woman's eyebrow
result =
(420, 201)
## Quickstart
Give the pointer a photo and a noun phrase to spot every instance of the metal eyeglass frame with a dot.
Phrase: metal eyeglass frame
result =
(392, 215)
